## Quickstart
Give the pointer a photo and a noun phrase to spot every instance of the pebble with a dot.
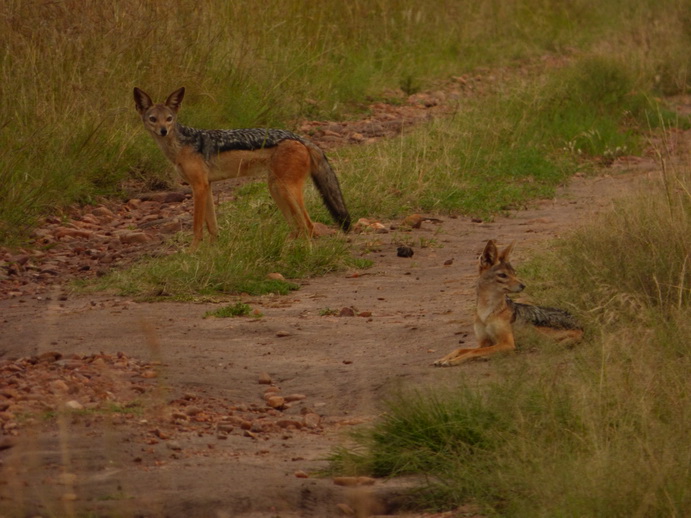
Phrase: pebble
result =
(311, 420)
(192, 410)
(133, 238)
(404, 251)
(346, 312)
(59, 387)
(49, 356)
(289, 423)
(173, 445)
(276, 401)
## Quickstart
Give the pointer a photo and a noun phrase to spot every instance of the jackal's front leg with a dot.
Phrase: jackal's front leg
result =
(201, 196)
(461, 355)
(210, 215)
(196, 174)
(455, 357)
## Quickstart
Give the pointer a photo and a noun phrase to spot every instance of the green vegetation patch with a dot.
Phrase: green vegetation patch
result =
(509, 146)
(239, 309)
(253, 242)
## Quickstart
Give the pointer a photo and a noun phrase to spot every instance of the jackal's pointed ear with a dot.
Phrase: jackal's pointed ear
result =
(504, 256)
(489, 256)
(175, 99)
(142, 101)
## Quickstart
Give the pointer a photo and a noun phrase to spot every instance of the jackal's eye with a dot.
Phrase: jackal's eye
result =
(502, 276)
(152, 118)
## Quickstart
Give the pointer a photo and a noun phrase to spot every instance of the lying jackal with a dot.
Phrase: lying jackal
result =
(496, 313)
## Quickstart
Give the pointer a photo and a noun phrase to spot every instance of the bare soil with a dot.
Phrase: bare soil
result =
(110, 407)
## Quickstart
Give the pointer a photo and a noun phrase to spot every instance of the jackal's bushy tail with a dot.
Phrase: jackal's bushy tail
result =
(327, 184)
(553, 318)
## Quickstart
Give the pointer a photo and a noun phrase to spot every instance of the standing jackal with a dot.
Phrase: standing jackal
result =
(496, 313)
(205, 156)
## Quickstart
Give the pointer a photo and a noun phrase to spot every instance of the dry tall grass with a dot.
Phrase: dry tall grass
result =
(68, 131)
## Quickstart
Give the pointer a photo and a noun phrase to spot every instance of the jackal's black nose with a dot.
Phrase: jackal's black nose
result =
(163, 132)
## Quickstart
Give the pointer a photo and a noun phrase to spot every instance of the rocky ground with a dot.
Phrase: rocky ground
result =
(110, 407)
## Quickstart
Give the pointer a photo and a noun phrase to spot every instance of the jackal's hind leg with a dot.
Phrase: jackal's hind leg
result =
(290, 202)
(290, 166)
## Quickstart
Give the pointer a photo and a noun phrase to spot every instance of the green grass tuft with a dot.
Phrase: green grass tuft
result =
(239, 309)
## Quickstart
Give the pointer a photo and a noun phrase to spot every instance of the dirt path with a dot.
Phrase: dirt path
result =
(171, 414)
(205, 441)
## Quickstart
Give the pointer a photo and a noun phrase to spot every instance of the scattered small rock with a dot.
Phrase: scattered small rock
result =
(50, 356)
(128, 238)
(346, 312)
(170, 227)
(404, 251)
(59, 387)
(225, 427)
(192, 410)
(173, 445)
(311, 420)
(277, 402)
(289, 423)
